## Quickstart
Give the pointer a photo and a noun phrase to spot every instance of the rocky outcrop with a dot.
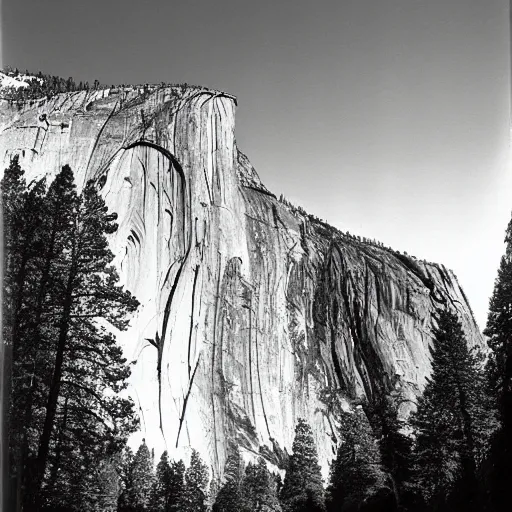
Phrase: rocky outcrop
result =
(253, 313)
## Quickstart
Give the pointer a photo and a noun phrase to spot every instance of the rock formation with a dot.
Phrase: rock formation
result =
(253, 313)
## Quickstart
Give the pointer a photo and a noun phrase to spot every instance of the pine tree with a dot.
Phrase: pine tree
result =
(142, 477)
(64, 418)
(98, 491)
(229, 498)
(499, 372)
(395, 446)
(87, 362)
(450, 422)
(177, 487)
(259, 489)
(22, 221)
(125, 472)
(196, 483)
(108, 485)
(59, 210)
(303, 485)
(356, 474)
(159, 499)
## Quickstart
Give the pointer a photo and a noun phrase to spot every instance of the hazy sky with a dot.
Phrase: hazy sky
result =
(389, 118)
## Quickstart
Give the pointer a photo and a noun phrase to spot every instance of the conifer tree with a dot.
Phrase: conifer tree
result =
(229, 497)
(22, 220)
(177, 487)
(450, 421)
(303, 487)
(499, 372)
(97, 491)
(259, 489)
(356, 474)
(196, 483)
(85, 360)
(125, 472)
(107, 485)
(65, 415)
(142, 477)
(160, 493)
(395, 446)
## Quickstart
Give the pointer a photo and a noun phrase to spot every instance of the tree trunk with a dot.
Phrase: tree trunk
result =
(58, 450)
(53, 397)
(23, 451)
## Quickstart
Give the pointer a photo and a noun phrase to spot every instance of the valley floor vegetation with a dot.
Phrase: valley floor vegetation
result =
(68, 422)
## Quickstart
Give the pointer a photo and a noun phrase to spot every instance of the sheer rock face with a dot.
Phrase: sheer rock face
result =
(252, 314)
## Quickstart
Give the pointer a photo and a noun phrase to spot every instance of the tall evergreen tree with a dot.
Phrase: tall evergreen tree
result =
(107, 484)
(142, 477)
(177, 487)
(450, 421)
(356, 474)
(125, 472)
(395, 446)
(499, 371)
(160, 493)
(87, 361)
(196, 484)
(97, 491)
(22, 234)
(229, 497)
(259, 489)
(303, 486)
(65, 414)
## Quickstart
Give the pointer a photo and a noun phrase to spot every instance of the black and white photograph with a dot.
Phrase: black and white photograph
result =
(256, 256)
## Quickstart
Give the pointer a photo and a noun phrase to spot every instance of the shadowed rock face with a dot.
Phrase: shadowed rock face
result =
(252, 313)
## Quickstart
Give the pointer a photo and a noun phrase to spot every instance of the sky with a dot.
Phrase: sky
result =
(387, 118)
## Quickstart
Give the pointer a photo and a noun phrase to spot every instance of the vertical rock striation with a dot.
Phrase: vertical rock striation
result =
(253, 313)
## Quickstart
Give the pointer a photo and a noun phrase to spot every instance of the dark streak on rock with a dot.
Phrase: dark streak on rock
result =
(215, 320)
(250, 358)
(97, 139)
(377, 294)
(164, 151)
(196, 273)
(259, 381)
(260, 190)
(135, 235)
(182, 417)
(334, 326)
(208, 186)
(177, 167)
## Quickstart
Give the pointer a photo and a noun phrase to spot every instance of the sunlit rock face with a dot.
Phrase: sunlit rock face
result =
(252, 313)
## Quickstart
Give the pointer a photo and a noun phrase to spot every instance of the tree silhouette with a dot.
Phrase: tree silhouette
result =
(356, 473)
(499, 371)
(450, 421)
(303, 486)
(65, 415)
(229, 497)
(196, 482)
(259, 489)
(395, 446)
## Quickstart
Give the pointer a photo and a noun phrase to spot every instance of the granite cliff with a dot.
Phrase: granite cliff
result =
(253, 313)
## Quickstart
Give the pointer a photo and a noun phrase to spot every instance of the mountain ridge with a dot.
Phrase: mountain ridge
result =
(252, 311)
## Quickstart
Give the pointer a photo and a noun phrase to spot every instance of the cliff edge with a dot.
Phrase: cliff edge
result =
(253, 313)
